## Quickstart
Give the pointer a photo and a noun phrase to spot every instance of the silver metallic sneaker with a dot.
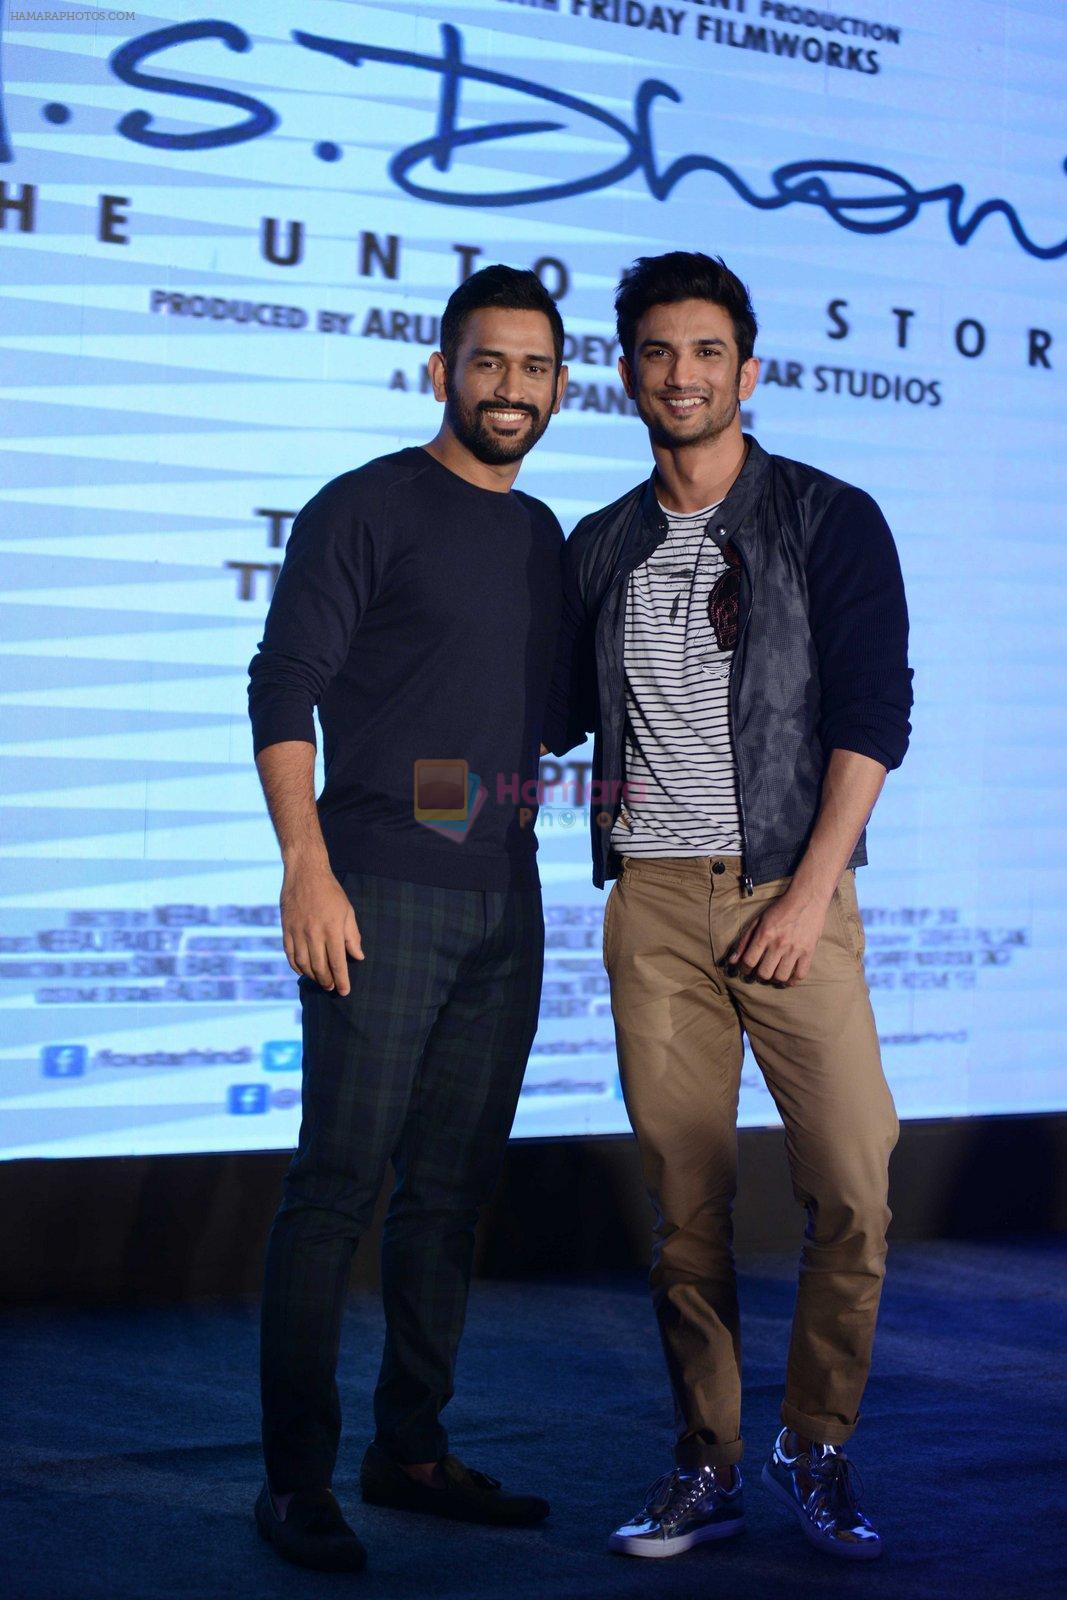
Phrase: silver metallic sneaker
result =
(682, 1509)
(821, 1486)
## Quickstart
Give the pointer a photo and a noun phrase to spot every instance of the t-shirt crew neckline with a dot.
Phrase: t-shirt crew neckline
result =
(501, 496)
(685, 516)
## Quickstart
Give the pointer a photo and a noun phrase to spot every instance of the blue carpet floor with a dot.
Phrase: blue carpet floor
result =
(130, 1455)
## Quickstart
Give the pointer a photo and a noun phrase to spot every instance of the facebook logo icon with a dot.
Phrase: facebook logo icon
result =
(64, 1060)
(281, 1055)
(246, 1099)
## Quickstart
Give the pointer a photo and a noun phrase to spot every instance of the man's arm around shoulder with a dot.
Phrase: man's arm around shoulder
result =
(570, 709)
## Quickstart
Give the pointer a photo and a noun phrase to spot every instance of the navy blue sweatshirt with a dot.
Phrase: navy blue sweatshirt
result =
(420, 614)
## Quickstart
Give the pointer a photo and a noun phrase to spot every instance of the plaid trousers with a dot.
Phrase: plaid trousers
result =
(420, 1063)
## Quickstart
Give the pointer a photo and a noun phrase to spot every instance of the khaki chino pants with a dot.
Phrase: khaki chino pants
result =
(668, 926)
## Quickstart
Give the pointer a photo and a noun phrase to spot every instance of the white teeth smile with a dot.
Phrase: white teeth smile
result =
(507, 416)
(684, 406)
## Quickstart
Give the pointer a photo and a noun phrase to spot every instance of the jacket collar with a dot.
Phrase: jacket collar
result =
(740, 500)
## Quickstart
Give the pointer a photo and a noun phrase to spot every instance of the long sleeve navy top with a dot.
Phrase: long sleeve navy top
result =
(419, 613)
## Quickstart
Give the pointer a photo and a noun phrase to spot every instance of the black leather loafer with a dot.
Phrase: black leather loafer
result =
(465, 1495)
(313, 1532)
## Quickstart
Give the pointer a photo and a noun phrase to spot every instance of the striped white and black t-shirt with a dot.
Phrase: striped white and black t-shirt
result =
(681, 778)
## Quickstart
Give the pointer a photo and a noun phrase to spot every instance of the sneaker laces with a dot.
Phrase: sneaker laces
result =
(841, 1480)
(660, 1495)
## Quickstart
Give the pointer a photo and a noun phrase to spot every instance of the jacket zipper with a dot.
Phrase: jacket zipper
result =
(623, 576)
(747, 887)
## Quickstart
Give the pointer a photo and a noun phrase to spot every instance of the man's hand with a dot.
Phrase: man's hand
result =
(319, 928)
(779, 946)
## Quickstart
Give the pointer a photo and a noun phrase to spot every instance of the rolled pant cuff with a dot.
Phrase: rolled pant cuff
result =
(692, 1453)
(817, 1428)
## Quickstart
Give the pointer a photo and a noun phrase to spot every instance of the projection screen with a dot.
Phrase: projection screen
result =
(227, 234)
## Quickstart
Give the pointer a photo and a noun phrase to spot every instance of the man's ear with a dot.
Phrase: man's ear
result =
(749, 377)
(436, 368)
(562, 379)
(627, 377)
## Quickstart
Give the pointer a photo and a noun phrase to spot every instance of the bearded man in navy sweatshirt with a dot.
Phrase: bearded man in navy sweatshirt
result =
(418, 607)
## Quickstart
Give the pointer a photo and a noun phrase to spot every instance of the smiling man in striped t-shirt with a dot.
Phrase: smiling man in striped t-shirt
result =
(735, 633)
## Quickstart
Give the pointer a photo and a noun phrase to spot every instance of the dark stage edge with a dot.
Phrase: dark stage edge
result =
(182, 1227)
(131, 1458)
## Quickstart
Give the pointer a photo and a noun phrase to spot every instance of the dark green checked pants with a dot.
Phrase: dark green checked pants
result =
(421, 1063)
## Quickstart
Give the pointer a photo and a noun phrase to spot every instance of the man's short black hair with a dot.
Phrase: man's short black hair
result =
(682, 275)
(509, 288)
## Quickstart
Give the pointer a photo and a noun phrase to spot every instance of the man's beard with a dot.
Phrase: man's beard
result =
(472, 430)
(715, 422)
